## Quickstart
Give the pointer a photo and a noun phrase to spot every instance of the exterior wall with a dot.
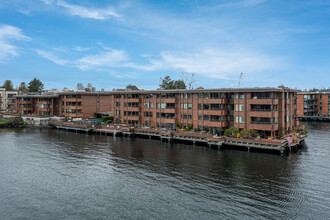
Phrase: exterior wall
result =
(266, 110)
(37, 105)
(325, 105)
(7, 100)
(300, 104)
(313, 104)
(2, 97)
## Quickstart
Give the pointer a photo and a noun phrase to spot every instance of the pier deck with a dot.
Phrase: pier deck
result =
(183, 136)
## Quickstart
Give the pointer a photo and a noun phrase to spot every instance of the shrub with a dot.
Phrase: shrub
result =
(16, 121)
(231, 131)
(248, 133)
(107, 119)
(189, 127)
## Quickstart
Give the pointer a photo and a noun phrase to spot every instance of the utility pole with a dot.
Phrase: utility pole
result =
(240, 78)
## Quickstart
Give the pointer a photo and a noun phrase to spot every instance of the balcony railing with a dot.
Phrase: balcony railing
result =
(263, 122)
(263, 110)
(263, 97)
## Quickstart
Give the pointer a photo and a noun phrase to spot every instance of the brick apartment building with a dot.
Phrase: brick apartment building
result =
(7, 100)
(313, 104)
(265, 109)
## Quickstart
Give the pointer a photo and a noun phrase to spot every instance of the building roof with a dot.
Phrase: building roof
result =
(224, 90)
(312, 93)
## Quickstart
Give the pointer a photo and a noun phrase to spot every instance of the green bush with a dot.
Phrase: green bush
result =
(177, 126)
(249, 133)
(107, 119)
(189, 127)
(15, 121)
(231, 131)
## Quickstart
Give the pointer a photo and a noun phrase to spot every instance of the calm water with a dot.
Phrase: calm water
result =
(50, 174)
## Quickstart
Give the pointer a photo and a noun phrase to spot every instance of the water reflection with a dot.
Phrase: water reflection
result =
(127, 178)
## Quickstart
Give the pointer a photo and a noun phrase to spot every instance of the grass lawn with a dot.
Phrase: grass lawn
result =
(3, 121)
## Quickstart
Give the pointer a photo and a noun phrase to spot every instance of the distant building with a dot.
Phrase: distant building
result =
(268, 110)
(313, 104)
(7, 100)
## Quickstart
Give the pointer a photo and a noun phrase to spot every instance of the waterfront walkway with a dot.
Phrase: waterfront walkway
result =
(200, 138)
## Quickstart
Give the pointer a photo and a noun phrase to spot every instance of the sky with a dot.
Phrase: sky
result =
(115, 43)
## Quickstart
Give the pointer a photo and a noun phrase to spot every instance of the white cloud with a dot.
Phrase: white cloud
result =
(108, 59)
(52, 57)
(81, 49)
(48, 2)
(212, 63)
(83, 12)
(252, 2)
(112, 58)
(9, 33)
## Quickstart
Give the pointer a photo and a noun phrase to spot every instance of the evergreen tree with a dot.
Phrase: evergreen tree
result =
(23, 88)
(8, 85)
(168, 83)
(35, 85)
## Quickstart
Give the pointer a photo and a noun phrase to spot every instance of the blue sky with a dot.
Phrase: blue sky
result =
(114, 43)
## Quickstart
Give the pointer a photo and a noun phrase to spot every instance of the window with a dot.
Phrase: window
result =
(236, 119)
(287, 118)
(206, 95)
(236, 107)
(241, 119)
(241, 95)
(241, 107)
(200, 106)
(206, 117)
(206, 107)
(200, 117)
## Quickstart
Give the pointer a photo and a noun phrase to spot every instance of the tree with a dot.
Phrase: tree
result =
(132, 87)
(188, 79)
(179, 84)
(168, 83)
(8, 85)
(23, 88)
(90, 88)
(35, 85)
(80, 86)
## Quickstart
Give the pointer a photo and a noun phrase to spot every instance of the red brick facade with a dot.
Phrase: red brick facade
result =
(264, 109)
(313, 104)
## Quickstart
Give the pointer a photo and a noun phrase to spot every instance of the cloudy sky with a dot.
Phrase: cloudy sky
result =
(114, 43)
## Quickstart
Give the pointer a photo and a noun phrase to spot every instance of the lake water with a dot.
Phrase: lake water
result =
(51, 174)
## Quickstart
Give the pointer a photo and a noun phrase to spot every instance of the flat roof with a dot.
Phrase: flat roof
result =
(312, 93)
(224, 90)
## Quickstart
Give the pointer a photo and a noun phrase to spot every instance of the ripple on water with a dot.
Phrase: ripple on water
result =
(48, 173)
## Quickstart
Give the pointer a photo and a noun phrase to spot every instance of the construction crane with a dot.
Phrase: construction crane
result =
(160, 80)
(240, 78)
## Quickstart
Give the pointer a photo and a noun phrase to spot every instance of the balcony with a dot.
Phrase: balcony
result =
(264, 114)
(263, 101)
(263, 122)
(264, 127)
(217, 123)
(72, 99)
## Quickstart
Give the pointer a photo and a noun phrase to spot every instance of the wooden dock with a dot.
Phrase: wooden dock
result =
(193, 138)
(314, 118)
